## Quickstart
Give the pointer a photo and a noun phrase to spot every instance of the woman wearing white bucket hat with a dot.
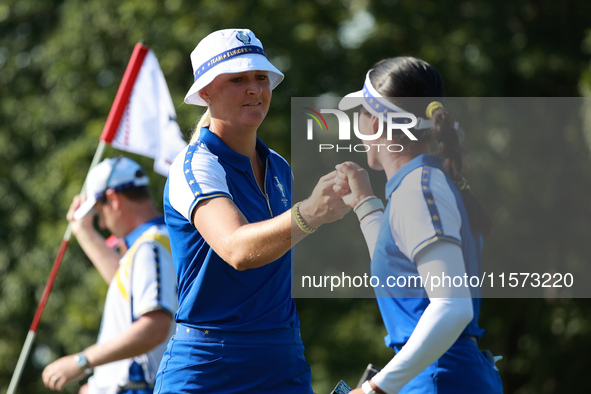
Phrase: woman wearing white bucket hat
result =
(432, 227)
(227, 205)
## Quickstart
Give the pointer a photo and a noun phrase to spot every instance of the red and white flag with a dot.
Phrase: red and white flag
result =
(148, 125)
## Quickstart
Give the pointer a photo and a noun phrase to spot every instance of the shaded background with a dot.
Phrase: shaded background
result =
(61, 63)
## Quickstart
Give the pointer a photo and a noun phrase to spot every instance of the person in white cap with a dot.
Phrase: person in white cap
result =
(227, 204)
(432, 227)
(141, 299)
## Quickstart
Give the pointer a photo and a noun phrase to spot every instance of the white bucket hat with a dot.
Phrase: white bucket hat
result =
(228, 51)
(118, 173)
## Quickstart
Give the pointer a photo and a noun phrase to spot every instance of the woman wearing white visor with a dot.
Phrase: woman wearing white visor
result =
(432, 226)
(227, 205)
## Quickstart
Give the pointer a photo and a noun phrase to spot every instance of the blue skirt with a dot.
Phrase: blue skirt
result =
(463, 369)
(213, 362)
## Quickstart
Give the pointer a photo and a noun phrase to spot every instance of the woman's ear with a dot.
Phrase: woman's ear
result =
(375, 124)
(204, 94)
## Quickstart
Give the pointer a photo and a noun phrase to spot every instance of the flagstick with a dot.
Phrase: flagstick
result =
(16, 376)
(56, 265)
(109, 131)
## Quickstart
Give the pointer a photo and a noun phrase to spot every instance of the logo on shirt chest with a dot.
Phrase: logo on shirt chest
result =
(283, 191)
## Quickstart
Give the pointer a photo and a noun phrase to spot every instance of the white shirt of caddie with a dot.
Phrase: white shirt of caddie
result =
(151, 284)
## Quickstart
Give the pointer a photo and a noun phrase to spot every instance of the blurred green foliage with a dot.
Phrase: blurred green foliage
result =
(60, 65)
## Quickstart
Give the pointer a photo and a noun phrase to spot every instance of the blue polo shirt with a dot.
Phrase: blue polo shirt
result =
(424, 206)
(212, 294)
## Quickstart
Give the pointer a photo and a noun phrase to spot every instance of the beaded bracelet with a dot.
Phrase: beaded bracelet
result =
(300, 221)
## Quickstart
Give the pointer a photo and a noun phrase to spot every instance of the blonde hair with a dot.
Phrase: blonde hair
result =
(204, 121)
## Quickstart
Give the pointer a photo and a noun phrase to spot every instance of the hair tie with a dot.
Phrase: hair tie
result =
(433, 105)
(462, 185)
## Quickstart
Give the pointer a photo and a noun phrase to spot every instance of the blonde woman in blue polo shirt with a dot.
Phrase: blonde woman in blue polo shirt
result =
(228, 209)
(432, 226)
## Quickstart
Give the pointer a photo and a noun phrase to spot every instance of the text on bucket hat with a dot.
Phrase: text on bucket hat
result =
(228, 51)
(118, 173)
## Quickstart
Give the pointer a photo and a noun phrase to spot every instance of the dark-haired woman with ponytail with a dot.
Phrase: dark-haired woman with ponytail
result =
(432, 227)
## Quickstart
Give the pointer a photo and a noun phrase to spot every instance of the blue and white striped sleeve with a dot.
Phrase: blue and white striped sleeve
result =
(153, 280)
(193, 177)
(425, 212)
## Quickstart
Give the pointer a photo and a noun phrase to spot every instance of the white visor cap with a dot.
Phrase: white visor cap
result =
(224, 52)
(376, 104)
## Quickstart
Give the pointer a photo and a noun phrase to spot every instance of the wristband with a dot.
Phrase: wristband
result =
(362, 201)
(300, 221)
(367, 206)
(367, 389)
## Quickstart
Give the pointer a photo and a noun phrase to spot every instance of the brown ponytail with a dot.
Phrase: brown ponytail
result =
(449, 148)
(448, 142)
